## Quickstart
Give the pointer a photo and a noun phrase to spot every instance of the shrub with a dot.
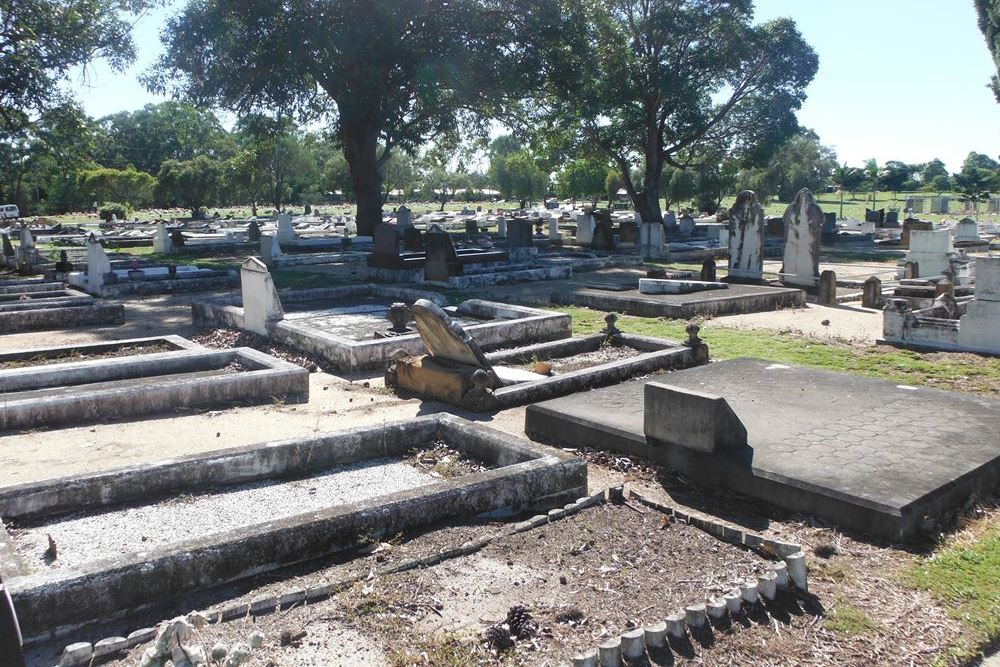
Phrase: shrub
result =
(112, 208)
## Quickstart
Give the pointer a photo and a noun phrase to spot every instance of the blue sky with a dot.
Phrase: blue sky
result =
(898, 79)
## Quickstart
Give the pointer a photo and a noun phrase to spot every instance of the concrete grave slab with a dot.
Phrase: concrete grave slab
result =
(817, 443)
(52, 600)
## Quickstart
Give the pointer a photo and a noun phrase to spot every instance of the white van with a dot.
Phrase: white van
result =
(9, 211)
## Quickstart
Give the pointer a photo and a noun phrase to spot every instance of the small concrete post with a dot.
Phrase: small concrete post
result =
(734, 602)
(767, 585)
(675, 626)
(656, 635)
(871, 296)
(911, 270)
(796, 564)
(695, 616)
(610, 652)
(827, 288)
(708, 273)
(588, 659)
(632, 644)
(748, 591)
(716, 610)
(781, 572)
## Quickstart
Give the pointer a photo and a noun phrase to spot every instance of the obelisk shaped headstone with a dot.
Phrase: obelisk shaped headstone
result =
(746, 238)
(803, 232)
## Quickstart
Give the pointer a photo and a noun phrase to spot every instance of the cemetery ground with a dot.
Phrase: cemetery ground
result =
(590, 576)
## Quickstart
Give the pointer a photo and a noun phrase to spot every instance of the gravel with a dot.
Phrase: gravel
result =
(82, 539)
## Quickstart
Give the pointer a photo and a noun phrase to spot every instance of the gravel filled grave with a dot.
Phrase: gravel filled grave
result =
(86, 538)
(71, 356)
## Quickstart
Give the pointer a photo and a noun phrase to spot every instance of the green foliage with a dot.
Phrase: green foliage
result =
(134, 188)
(620, 83)
(680, 185)
(582, 178)
(613, 182)
(989, 24)
(940, 183)
(43, 40)
(801, 162)
(192, 183)
(109, 209)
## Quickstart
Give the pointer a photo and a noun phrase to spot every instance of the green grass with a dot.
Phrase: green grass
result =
(943, 370)
(963, 575)
(846, 619)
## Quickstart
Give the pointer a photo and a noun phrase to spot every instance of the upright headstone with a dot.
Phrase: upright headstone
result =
(161, 239)
(98, 265)
(253, 231)
(670, 221)
(554, 234)
(871, 295)
(803, 222)
(685, 227)
(878, 217)
(628, 233)
(413, 240)
(829, 234)
(8, 247)
(441, 258)
(585, 224)
(270, 249)
(261, 304)
(386, 239)
(27, 240)
(967, 231)
(604, 236)
(979, 327)
(746, 238)
(404, 218)
(910, 225)
(891, 219)
(501, 227)
(519, 233)
(933, 251)
(286, 233)
(651, 237)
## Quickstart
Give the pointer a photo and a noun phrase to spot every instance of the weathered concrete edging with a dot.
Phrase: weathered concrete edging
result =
(176, 342)
(62, 317)
(787, 574)
(81, 653)
(54, 602)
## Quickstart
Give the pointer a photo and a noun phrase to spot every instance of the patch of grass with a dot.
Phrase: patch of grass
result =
(846, 619)
(967, 372)
(963, 575)
(439, 650)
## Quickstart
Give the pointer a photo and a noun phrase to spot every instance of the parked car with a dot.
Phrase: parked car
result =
(9, 211)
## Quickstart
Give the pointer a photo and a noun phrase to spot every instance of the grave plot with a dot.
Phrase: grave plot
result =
(619, 291)
(456, 370)
(34, 305)
(806, 440)
(358, 327)
(91, 351)
(120, 387)
(146, 535)
(106, 279)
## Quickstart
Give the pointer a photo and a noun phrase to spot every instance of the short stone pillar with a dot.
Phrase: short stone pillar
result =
(746, 238)
(286, 233)
(585, 224)
(708, 270)
(871, 295)
(651, 238)
(261, 304)
(911, 270)
(827, 295)
(98, 265)
(554, 234)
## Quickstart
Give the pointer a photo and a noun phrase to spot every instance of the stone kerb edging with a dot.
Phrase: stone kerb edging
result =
(787, 573)
(83, 653)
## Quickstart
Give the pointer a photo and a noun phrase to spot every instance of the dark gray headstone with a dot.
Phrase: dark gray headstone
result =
(519, 233)
(604, 236)
(628, 232)
(871, 296)
(386, 239)
(708, 270)
(413, 240)
(253, 232)
(891, 219)
(8, 247)
(878, 217)
(442, 260)
(685, 226)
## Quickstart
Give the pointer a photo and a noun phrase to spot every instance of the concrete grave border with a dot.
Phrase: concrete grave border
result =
(81, 401)
(349, 355)
(175, 342)
(54, 603)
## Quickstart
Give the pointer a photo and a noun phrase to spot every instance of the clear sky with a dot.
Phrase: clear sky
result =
(898, 79)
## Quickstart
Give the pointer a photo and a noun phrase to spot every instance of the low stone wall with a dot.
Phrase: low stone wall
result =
(62, 317)
(53, 603)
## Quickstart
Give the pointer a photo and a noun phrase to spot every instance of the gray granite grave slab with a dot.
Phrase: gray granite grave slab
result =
(866, 454)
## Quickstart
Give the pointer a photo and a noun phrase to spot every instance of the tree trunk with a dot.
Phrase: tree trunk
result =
(360, 149)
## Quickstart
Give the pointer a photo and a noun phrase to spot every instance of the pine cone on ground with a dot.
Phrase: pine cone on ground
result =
(498, 638)
(521, 624)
